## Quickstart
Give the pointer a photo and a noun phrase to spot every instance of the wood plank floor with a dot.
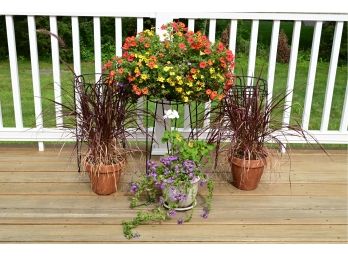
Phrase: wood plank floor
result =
(44, 199)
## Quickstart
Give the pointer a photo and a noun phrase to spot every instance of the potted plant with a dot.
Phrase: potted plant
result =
(184, 67)
(172, 182)
(102, 113)
(249, 123)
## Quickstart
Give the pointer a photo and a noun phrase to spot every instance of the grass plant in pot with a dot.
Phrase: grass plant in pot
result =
(102, 113)
(173, 182)
(249, 123)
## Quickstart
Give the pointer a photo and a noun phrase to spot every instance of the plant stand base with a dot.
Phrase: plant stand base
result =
(165, 205)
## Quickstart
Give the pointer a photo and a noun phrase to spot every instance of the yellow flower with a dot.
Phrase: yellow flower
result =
(221, 78)
(185, 98)
(212, 70)
(160, 79)
(178, 89)
(190, 84)
(202, 77)
(166, 69)
(180, 82)
(189, 92)
(178, 78)
(144, 76)
(172, 73)
(194, 76)
(136, 70)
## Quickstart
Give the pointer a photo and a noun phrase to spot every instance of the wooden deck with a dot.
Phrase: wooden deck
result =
(44, 199)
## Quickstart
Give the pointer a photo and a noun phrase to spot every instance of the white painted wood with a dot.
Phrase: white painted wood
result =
(140, 103)
(118, 35)
(233, 36)
(187, 121)
(311, 74)
(331, 76)
(56, 71)
(161, 19)
(76, 57)
(16, 92)
(97, 48)
(1, 122)
(76, 45)
(284, 15)
(35, 72)
(291, 72)
(212, 32)
(191, 24)
(140, 24)
(55, 134)
(252, 50)
(344, 118)
(160, 148)
(272, 60)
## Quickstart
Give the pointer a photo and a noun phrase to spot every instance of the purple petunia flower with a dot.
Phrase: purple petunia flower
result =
(180, 221)
(136, 235)
(205, 213)
(134, 188)
(167, 160)
(171, 213)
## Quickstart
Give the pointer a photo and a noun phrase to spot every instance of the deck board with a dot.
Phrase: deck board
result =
(44, 199)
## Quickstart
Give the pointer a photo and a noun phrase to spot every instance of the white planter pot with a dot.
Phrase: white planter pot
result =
(190, 193)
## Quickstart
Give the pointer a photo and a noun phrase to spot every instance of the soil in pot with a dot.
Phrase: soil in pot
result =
(104, 179)
(246, 173)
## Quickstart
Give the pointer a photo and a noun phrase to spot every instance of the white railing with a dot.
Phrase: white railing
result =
(41, 134)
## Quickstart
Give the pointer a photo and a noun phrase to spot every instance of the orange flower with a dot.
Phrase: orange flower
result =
(145, 91)
(207, 51)
(120, 70)
(136, 90)
(182, 46)
(229, 56)
(213, 95)
(220, 47)
(131, 78)
(107, 65)
(210, 62)
(146, 45)
(151, 64)
(208, 91)
(130, 57)
(193, 70)
(202, 65)
(112, 73)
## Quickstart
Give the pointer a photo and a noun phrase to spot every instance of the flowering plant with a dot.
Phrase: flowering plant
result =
(173, 181)
(185, 66)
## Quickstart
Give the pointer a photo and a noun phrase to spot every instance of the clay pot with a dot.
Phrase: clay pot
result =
(246, 173)
(104, 178)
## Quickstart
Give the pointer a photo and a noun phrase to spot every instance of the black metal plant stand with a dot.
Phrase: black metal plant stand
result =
(193, 110)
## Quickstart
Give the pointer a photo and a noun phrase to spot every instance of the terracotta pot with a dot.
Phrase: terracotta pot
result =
(246, 173)
(104, 178)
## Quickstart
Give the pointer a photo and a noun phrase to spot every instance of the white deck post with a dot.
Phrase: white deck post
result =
(35, 71)
(12, 53)
(160, 148)
(331, 76)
